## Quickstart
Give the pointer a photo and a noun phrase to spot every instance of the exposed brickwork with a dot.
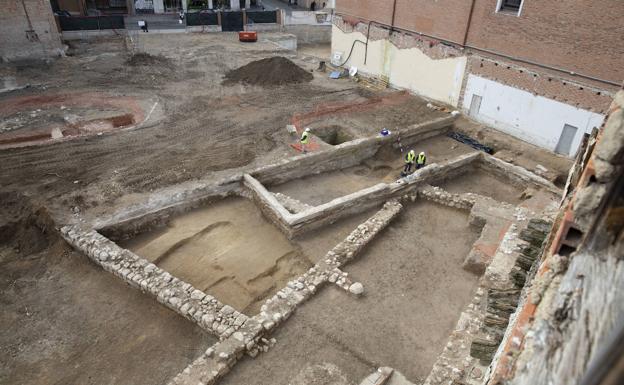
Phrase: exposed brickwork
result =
(570, 35)
(16, 43)
(580, 36)
(432, 48)
(580, 95)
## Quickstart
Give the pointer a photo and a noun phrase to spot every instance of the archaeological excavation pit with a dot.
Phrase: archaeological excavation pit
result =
(404, 259)
(415, 289)
(383, 166)
(334, 134)
(227, 249)
(40, 119)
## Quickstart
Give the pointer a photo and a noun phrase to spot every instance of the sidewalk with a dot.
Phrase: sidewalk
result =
(277, 4)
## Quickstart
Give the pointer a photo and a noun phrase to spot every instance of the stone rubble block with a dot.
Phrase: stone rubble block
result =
(139, 273)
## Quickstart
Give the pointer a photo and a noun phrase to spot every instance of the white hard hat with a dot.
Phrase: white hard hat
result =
(422, 153)
(412, 151)
(307, 129)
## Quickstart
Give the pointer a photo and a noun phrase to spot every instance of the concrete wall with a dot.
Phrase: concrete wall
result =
(535, 119)
(411, 69)
(311, 34)
(16, 43)
(306, 18)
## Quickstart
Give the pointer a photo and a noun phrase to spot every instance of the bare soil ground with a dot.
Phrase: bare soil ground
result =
(65, 321)
(207, 130)
(408, 272)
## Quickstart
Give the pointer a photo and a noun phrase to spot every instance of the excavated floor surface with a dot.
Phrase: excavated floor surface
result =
(227, 249)
(384, 167)
(415, 290)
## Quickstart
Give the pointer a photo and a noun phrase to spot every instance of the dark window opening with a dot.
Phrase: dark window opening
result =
(511, 5)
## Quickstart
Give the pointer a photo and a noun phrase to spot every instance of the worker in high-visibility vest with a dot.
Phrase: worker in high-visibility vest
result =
(409, 161)
(422, 159)
(305, 139)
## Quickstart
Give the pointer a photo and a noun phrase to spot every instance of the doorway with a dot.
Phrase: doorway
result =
(565, 141)
(475, 105)
(172, 5)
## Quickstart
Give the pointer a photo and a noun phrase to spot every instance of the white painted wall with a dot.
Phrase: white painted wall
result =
(532, 118)
(159, 6)
(306, 18)
(409, 69)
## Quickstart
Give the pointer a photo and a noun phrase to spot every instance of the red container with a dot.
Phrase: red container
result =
(248, 36)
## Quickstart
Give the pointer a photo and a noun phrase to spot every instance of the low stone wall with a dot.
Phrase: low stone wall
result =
(296, 224)
(516, 173)
(194, 305)
(268, 204)
(158, 210)
(292, 205)
(219, 359)
(347, 154)
(203, 28)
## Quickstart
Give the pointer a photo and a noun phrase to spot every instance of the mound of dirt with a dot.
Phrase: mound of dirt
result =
(24, 229)
(273, 71)
(145, 59)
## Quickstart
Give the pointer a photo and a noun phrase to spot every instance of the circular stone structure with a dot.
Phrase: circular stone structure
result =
(29, 120)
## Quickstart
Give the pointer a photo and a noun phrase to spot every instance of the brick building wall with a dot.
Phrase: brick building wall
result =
(570, 35)
(16, 42)
(581, 36)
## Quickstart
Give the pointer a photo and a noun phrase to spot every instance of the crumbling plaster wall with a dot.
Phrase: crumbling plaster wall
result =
(410, 68)
(16, 43)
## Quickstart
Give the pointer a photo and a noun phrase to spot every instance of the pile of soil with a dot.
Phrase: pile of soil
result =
(145, 59)
(273, 71)
(24, 229)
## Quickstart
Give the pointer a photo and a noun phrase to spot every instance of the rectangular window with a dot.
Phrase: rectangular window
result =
(510, 6)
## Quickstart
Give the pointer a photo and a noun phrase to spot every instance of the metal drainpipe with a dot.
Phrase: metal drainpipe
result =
(472, 5)
(526, 61)
(30, 26)
(393, 14)
(369, 25)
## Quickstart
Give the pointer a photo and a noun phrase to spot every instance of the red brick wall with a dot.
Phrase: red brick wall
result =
(445, 19)
(380, 11)
(580, 36)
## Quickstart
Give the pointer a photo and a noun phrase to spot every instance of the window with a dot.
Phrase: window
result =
(511, 6)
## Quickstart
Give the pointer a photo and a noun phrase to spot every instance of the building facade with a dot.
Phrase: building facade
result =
(542, 71)
(28, 30)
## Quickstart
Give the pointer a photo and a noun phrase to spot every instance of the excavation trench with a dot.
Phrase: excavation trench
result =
(227, 249)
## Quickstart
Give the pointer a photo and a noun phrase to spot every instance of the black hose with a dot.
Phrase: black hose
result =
(351, 52)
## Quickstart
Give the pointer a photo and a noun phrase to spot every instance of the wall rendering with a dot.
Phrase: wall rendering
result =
(535, 119)
(408, 68)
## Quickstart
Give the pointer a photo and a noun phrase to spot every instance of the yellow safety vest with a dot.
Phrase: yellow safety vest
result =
(305, 138)
(409, 158)
(421, 159)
